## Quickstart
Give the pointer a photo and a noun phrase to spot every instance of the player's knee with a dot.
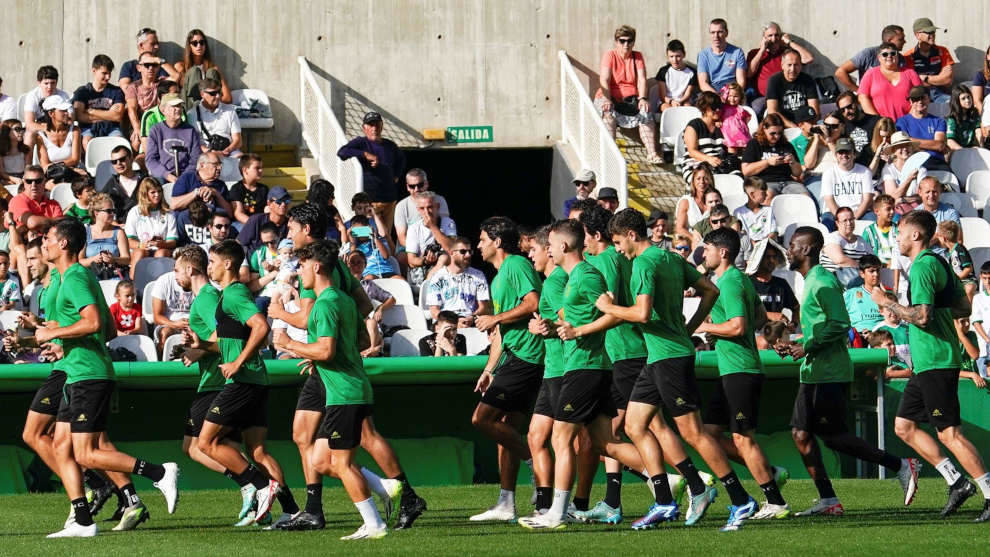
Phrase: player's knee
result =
(204, 445)
(480, 420)
(742, 440)
(903, 428)
(536, 440)
(635, 430)
(30, 438)
(948, 435)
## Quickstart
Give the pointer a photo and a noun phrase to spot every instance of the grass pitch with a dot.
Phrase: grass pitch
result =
(875, 522)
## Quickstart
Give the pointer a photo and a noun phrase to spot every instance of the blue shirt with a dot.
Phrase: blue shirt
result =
(380, 180)
(946, 212)
(721, 68)
(189, 181)
(99, 100)
(922, 128)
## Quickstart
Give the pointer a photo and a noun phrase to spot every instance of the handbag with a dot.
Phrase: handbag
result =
(628, 106)
(214, 142)
(59, 172)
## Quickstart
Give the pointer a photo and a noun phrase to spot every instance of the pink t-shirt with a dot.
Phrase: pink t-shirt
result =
(890, 100)
(623, 82)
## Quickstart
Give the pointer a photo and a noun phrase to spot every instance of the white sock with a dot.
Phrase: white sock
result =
(506, 498)
(948, 471)
(374, 482)
(672, 480)
(984, 483)
(369, 512)
(559, 506)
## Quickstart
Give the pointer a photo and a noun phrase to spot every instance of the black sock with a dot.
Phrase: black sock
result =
(255, 477)
(314, 499)
(154, 472)
(661, 489)
(690, 473)
(772, 493)
(824, 487)
(81, 510)
(121, 499)
(613, 489)
(287, 501)
(581, 503)
(959, 483)
(636, 473)
(735, 489)
(130, 495)
(94, 480)
(544, 497)
(239, 478)
(407, 488)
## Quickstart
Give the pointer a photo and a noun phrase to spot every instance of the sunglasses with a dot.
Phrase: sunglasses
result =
(463, 251)
(844, 153)
(682, 248)
(18, 129)
(848, 107)
(149, 65)
(419, 186)
(888, 54)
(722, 220)
(211, 92)
(626, 41)
(197, 43)
(34, 181)
(832, 126)
(221, 226)
(918, 99)
(121, 160)
(579, 184)
(281, 201)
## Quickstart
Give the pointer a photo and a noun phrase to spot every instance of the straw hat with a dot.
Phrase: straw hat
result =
(760, 249)
(899, 139)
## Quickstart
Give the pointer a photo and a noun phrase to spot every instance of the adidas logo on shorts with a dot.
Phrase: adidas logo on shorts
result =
(680, 401)
(823, 420)
(46, 401)
(335, 435)
(81, 418)
(501, 396)
(215, 410)
(936, 413)
(740, 416)
(568, 408)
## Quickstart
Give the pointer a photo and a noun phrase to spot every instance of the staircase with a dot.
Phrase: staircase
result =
(651, 186)
(283, 168)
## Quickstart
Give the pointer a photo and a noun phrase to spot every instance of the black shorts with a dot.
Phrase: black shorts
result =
(821, 408)
(735, 402)
(671, 382)
(341, 425)
(312, 395)
(515, 385)
(49, 395)
(624, 376)
(546, 401)
(932, 396)
(584, 395)
(240, 406)
(89, 405)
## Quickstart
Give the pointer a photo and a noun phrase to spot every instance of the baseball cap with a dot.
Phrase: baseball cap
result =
(56, 102)
(924, 25)
(844, 144)
(278, 193)
(584, 176)
(285, 243)
(805, 114)
(172, 99)
(372, 117)
(655, 215)
(917, 92)
(608, 193)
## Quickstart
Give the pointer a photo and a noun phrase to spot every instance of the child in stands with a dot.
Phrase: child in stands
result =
(126, 315)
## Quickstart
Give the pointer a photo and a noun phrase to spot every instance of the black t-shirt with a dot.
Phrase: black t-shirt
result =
(861, 134)
(776, 294)
(99, 100)
(755, 152)
(791, 95)
(428, 345)
(254, 201)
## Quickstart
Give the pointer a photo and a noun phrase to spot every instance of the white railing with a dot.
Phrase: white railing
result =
(582, 127)
(324, 136)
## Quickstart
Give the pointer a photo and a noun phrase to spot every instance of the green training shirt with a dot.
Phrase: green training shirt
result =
(235, 309)
(737, 298)
(863, 311)
(335, 315)
(584, 285)
(339, 277)
(515, 279)
(935, 346)
(664, 276)
(551, 300)
(825, 324)
(86, 358)
(203, 321)
(624, 341)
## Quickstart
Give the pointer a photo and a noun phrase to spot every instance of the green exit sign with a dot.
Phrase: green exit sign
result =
(470, 134)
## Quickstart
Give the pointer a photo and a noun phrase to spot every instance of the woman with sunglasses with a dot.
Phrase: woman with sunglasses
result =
(197, 64)
(16, 155)
(151, 228)
(142, 94)
(62, 141)
(884, 89)
(877, 148)
(106, 252)
(690, 208)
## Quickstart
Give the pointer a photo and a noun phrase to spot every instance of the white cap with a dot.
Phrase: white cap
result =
(56, 102)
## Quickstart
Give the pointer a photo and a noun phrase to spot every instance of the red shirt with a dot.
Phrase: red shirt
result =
(21, 204)
(769, 65)
(125, 319)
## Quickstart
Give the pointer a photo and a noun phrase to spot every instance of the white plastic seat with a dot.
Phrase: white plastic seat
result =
(230, 170)
(861, 226)
(689, 307)
(167, 191)
(109, 287)
(789, 208)
(976, 232)
(966, 161)
(12, 189)
(477, 341)
(733, 200)
(401, 314)
(244, 97)
(62, 194)
(978, 187)
(947, 179)
(673, 121)
(21, 103)
(753, 124)
(406, 342)
(150, 268)
(99, 149)
(729, 184)
(142, 347)
(147, 308)
(962, 202)
(170, 343)
(979, 256)
(398, 288)
(8, 319)
(794, 280)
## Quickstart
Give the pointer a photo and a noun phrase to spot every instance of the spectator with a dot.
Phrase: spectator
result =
(981, 313)
(16, 154)
(703, 139)
(657, 225)
(205, 184)
(106, 252)
(962, 127)
(99, 105)
(766, 61)
(356, 263)
(150, 225)
(859, 126)
(721, 63)
(927, 130)
(82, 189)
(147, 44)
(933, 63)
(772, 158)
(682, 245)
(847, 184)
(36, 277)
(930, 191)
(735, 119)
(756, 216)
(196, 65)
(248, 195)
(61, 142)
(609, 199)
(172, 144)
(156, 113)
(581, 206)
(193, 224)
(621, 95)
(31, 207)
(806, 118)
(445, 340)
(876, 149)
(35, 115)
(8, 106)
(844, 248)
(219, 127)
(376, 249)
(716, 217)
(170, 301)
(278, 205)
(142, 94)
(896, 329)
(900, 181)
(981, 82)
(126, 314)
(774, 291)
(689, 207)
(431, 230)
(458, 288)
(677, 81)
(123, 185)
(584, 186)
(791, 89)
(868, 57)
(263, 265)
(969, 368)
(382, 163)
(864, 314)
(405, 212)
(949, 235)
(882, 234)
(10, 289)
(819, 153)
(884, 89)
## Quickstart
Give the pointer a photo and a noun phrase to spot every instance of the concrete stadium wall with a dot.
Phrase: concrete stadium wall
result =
(439, 63)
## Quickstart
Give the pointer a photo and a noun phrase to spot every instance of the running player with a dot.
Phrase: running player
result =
(332, 352)
(659, 279)
(735, 403)
(932, 393)
(512, 376)
(825, 374)
(80, 319)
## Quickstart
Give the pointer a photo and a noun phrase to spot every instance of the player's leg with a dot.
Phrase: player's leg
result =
(305, 423)
(412, 505)
(489, 420)
(497, 425)
(37, 435)
(254, 443)
(345, 425)
(587, 466)
(538, 439)
(80, 522)
(803, 420)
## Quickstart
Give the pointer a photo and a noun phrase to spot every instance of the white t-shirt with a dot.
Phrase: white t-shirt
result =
(177, 300)
(406, 214)
(677, 81)
(981, 314)
(34, 100)
(8, 108)
(419, 236)
(222, 121)
(758, 225)
(853, 250)
(890, 172)
(156, 224)
(460, 293)
(848, 187)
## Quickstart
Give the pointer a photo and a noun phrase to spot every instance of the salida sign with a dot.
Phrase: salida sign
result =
(470, 134)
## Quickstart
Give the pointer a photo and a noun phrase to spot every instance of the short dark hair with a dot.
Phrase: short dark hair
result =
(595, 221)
(573, 230)
(626, 220)
(880, 336)
(890, 31)
(725, 237)
(321, 192)
(923, 220)
(73, 231)
(985, 268)
(208, 83)
(120, 148)
(360, 197)
(164, 86)
(313, 216)
(268, 227)
(542, 236)
(447, 316)
(81, 183)
(199, 212)
(719, 209)
(708, 101)
(869, 261)
(102, 61)
(584, 205)
(192, 254)
(847, 95)
(502, 230)
(460, 240)
(47, 72)
(719, 21)
(36, 244)
(844, 210)
(126, 283)
(754, 182)
(813, 234)
(220, 213)
(675, 46)
(323, 252)
(884, 199)
(247, 159)
(229, 249)
(359, 220)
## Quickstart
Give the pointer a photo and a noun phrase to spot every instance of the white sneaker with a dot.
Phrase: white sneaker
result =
(247, 520)
(75, 531)
(830, 507)
(71, 519)
(393, 488)
(769, 511)
(707, 478)
(500, 513)
(542, 522)
(133, 515)
(264, 498)
(169, 486)
(365, 533)
(284, 517)
(908, 476)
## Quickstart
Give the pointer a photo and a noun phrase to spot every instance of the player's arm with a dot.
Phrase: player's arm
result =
(567, 332)
(323, 350)
(259, 332)
(529, 304)
(730, 328)
(360, 297)
(709, 293)
(494, 355)
(298, 319)
(636, 313)
(89, 323)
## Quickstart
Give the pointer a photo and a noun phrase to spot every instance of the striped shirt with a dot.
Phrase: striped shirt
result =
(854, 250)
